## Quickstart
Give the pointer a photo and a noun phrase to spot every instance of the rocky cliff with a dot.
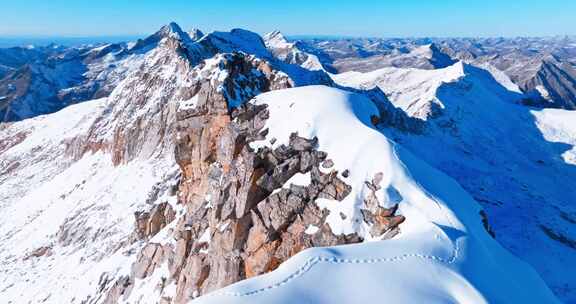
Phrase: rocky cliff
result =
(240, 214)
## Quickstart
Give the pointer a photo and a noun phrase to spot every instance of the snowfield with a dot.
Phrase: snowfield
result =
(518, 162)
(443, 254)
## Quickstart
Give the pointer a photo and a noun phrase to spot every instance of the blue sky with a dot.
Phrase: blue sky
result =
(383, 18)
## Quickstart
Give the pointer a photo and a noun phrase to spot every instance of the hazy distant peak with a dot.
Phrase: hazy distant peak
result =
(276, 39)
(172, 29)
(195, 34)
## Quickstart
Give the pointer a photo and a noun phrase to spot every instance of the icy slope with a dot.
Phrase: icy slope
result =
(516, 161)
(443, 254)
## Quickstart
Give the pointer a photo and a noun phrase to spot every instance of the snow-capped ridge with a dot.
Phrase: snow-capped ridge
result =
(291, 52)
(443, 233)
(237, 40)
(417, 91)
(276, 39)
(171, 30)
(82, 173)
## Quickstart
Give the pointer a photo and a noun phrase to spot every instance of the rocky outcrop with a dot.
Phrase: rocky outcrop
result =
(240, 221)
(242, 216)
(147, 224)
(391, 116)
(383, 221)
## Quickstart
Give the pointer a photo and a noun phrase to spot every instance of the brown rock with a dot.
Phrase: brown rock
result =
(235, 194)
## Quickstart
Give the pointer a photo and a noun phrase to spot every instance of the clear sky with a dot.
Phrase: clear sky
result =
(383, 18)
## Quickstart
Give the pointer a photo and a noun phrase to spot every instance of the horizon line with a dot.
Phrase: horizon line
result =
(299, 36)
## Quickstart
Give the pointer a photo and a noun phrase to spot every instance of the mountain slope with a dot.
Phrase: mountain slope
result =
(554, 85)
(73, 169)
(514, 160)
(443, 235)
(74, 75)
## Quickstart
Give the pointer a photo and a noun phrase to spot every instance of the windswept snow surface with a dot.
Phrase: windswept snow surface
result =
(516, 161)
(443, 253)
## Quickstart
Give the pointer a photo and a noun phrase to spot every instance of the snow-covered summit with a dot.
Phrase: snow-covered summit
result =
(195, 34)
(481, 135)
(290, 52)
(276, 39)
(443, 251)
(171, 30)
(418, 92)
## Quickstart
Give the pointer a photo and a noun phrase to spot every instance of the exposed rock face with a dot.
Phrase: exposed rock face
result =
(240, 222)
(238, 213)
(39, 252)
(149, 223)
(242, 215)
(391, 116)
(552, 86)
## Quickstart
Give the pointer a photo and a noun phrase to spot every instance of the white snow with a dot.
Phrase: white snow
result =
(417, 91)
(412, 90)
(188, 104)
(311, 229)
(443, 254)
(299, 179)
(516, 161)
(559, 126)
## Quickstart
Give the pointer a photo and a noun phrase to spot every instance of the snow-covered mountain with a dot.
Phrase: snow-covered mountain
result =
(423, 57)
(516, 161)
(15, 57)
(290, 52)
(223, 168)
(443, 252)
(73, 75)
(543, 68)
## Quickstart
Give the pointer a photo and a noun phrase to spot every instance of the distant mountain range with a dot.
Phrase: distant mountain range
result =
(543, 68)
(36, 41)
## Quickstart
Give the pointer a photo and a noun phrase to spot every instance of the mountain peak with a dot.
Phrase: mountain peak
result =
(170, 30)
(173, 30)
(275, 38)
(195, 34)
(427, 49)
(276, 34)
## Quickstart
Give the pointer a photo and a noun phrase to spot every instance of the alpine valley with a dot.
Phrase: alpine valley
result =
(229, 167)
